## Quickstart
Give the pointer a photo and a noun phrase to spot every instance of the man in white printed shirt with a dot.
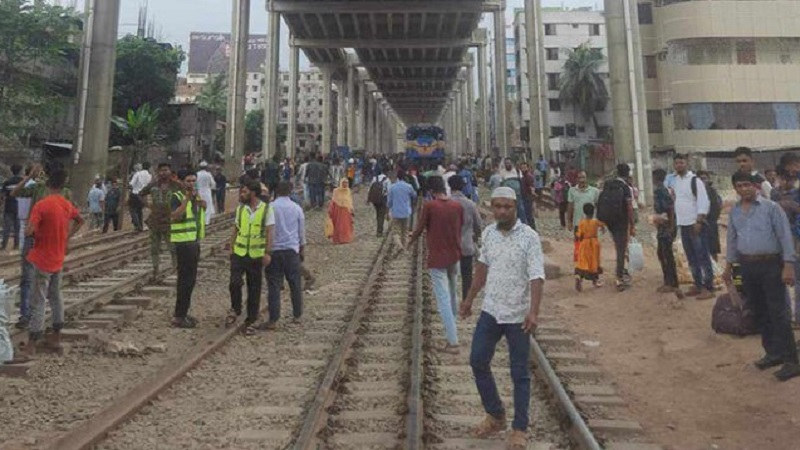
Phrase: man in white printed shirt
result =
(691, 207)
(511, 268)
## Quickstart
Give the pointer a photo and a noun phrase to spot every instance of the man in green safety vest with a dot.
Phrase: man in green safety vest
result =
(187, 228)
(250, 246)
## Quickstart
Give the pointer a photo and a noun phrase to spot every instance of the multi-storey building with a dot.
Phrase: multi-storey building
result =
(208, 57)
(722, 74)
(564, 30)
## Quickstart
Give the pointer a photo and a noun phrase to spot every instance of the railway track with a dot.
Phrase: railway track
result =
(362, 372)
(107, 275)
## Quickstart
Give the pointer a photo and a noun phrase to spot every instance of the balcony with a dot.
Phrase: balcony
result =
(733, 83)
(729, 19)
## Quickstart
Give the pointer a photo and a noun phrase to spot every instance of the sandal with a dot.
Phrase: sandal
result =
(451, 349)
(231, 318)
(250, 330)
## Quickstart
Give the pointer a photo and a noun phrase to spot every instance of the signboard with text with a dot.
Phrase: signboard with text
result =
(211, 52)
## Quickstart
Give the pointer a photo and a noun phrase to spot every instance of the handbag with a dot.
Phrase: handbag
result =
(731, 315)
(328, 227)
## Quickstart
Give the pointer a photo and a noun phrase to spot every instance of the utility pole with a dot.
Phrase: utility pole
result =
(501, 76)
(483, 92)
(291, 127)
(539, 130)
(96, 85)
(272, 86)
(237, 88)
(631, 142)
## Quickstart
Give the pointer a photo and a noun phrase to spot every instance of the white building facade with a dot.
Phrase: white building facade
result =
(564, 30)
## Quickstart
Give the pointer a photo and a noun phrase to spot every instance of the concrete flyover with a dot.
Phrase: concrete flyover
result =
(395, 63)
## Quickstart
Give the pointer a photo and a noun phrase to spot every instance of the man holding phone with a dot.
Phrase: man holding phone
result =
(186, 230)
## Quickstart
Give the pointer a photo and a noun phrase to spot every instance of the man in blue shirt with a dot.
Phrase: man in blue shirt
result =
(760, 240)
(289, 240)
(400, 200)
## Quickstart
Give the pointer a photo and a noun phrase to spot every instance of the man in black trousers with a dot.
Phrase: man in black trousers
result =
(760, 240)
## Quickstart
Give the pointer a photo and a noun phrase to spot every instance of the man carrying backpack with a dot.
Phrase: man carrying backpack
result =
(615, 209)
(377, 197)
(692, 207)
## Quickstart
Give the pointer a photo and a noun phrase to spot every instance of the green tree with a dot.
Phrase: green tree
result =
(581, 84)
(214, 97)
(146, 73)
(35, 46)
(140, 128)
(254, 131)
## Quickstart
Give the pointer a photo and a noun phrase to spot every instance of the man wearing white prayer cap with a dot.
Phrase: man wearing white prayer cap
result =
(510, 270)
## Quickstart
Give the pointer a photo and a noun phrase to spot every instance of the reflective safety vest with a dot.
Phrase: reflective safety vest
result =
(251, 238)
(190, 228)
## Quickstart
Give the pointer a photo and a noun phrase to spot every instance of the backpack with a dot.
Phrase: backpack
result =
(714, 199)
(611, 207)
(375, 194)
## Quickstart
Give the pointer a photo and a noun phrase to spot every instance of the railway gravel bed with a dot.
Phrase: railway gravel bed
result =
(251, 393)
(60, 392)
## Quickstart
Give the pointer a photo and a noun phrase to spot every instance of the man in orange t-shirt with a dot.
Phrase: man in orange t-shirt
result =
(52, 222)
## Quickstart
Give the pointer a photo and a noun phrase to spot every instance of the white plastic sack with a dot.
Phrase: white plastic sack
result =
(6, 347)
(636, 255)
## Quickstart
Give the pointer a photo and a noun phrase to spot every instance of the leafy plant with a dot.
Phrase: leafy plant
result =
(581, 84)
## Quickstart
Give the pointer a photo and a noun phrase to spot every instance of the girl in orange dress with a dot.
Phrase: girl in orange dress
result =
(340, 213)
(587, 267)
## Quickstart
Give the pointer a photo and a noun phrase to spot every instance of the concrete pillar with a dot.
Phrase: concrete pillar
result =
(484, 93)
(464, 111)
(539, 131)
(379, 128)
(327, 111)
(500, 81)
(341, 115)
(294, 73)
(96, 83)
(370, 122)
(362, 115)
(631, 143)
(272, 87)
(470, 111)
(351, 107)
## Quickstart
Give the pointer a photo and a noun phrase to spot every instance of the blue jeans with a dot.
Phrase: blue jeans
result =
(484, 342)
(317, 194)
(26, 280)
(698, 256)
(445, 289)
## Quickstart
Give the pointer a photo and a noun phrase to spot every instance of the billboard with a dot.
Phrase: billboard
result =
(211, 52)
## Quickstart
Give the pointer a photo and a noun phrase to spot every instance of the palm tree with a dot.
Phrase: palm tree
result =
(581, 85)
(214, 96)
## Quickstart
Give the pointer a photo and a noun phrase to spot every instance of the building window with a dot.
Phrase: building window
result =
(302, 143)
(255, 88)
(550, 29)
(556, 131)
(552, 54)
(654, 123)
(554, 105)
(575, 26)
(737, 116)
(594, 29)
(320, 102)
(553, 81)
(285, 90)
(646, 13)
(650, 66)
(746, 52)
(284, 103)
(253, 101)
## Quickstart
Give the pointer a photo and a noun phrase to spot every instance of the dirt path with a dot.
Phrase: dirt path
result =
(691, 388)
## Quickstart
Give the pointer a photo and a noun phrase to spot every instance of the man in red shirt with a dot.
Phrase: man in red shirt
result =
(52, 221)
(441, 219)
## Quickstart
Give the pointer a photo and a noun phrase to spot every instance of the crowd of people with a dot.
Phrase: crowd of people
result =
(503, 259)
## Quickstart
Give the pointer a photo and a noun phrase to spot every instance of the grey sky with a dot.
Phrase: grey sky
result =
(175, 19)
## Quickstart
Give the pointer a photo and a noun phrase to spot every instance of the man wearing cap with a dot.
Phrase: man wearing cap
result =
(205, 187)
(511, 269)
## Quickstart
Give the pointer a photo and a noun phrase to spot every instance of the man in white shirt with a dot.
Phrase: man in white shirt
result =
(508, 170)
(691, 207)
(452, 169)
(205, 187)
(511, 268)
(140, 180)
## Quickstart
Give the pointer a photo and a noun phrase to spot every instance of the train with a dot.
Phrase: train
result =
(425, 142)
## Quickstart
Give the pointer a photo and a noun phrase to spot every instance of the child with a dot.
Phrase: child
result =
(588, 264)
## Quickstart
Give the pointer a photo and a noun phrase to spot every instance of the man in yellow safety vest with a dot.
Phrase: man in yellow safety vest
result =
(187, 228)
(250, 246)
